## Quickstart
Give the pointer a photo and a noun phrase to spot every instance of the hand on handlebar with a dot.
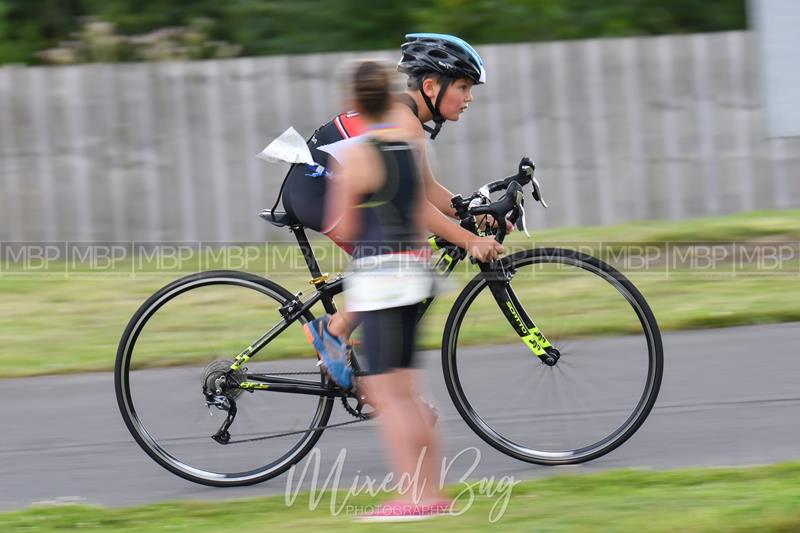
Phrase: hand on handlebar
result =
(478, 211)
(487, 222)
(484, 249)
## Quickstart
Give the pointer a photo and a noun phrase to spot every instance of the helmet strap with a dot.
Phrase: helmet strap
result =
(433, 131)
(438, 119)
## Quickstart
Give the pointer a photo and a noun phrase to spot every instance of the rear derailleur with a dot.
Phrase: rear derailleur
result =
(220, 389)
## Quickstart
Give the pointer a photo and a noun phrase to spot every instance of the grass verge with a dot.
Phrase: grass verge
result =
(760, 499)
(65, 316)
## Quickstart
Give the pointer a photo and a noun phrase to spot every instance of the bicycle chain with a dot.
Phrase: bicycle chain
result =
(361, 418)
(290, 433)
(353, 411)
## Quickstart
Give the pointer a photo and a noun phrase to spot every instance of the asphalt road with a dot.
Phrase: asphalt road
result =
(729, 397)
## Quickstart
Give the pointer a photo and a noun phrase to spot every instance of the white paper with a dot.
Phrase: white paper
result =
(337, 149)
(289, 147)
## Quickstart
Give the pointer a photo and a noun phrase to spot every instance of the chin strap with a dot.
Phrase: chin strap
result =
(438, 119)
(434, 131)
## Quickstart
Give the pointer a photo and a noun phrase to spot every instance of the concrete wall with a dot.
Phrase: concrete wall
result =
(621, 129)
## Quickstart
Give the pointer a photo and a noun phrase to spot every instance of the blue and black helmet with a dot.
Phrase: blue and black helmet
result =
(447, 55)
(444, 54)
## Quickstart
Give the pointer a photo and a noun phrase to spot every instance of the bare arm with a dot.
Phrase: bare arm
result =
(432, 219)
(435, 208)
(437, 193)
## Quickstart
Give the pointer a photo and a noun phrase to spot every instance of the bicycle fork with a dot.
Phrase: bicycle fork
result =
(522, 323)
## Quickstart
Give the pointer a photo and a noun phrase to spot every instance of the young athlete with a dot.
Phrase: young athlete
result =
(441, 70)
(378, 205)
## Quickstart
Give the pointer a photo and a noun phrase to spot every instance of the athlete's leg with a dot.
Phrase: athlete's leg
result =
(412, 445)
(343, 323)
(409, 438)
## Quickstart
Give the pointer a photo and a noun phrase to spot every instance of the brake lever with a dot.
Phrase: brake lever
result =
(526, 166)
(537, 192)
(521, 222)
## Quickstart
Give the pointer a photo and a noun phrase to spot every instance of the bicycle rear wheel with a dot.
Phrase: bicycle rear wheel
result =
(185, 336)
(600, 390)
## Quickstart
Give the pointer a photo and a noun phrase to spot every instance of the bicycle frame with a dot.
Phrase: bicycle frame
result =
(324, 292)
(498, 279)
(224, 380)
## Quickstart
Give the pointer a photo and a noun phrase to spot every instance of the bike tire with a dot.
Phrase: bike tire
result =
(481, 420)
(143, 433)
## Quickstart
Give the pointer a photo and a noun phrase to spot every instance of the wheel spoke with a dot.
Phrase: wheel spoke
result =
(163, 381)
(599, 391)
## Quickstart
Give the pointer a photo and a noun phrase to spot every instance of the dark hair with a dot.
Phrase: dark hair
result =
(415, 80)
(372, 87)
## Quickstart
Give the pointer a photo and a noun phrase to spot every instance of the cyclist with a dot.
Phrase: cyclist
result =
(441, 70)
(378, 206)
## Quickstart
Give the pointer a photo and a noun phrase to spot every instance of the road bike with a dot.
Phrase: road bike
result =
(550, 355)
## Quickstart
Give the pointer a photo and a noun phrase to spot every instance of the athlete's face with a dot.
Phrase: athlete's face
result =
(456, 100)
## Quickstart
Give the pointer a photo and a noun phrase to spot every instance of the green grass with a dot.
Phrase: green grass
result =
(755, 225)
(760, 499)
(63, 317)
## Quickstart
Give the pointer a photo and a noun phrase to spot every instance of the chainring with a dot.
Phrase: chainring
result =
(357, 411)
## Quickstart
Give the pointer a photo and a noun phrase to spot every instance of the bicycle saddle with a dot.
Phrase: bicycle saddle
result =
(277, 218)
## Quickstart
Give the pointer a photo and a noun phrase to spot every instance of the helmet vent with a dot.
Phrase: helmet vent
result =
(444, 54)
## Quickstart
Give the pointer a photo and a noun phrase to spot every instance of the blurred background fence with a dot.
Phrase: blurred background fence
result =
(621, 129)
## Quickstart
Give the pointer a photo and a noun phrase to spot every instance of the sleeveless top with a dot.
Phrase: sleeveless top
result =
(390, 266)
(344, 126)
(386, 215)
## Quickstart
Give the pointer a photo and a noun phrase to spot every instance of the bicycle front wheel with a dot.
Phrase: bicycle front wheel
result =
(179, 344)
(601, 388)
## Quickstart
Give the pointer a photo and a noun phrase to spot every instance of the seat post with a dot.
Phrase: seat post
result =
(313, 266)
(308, 253)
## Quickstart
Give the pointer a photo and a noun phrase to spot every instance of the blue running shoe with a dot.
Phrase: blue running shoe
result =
(332, 350)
